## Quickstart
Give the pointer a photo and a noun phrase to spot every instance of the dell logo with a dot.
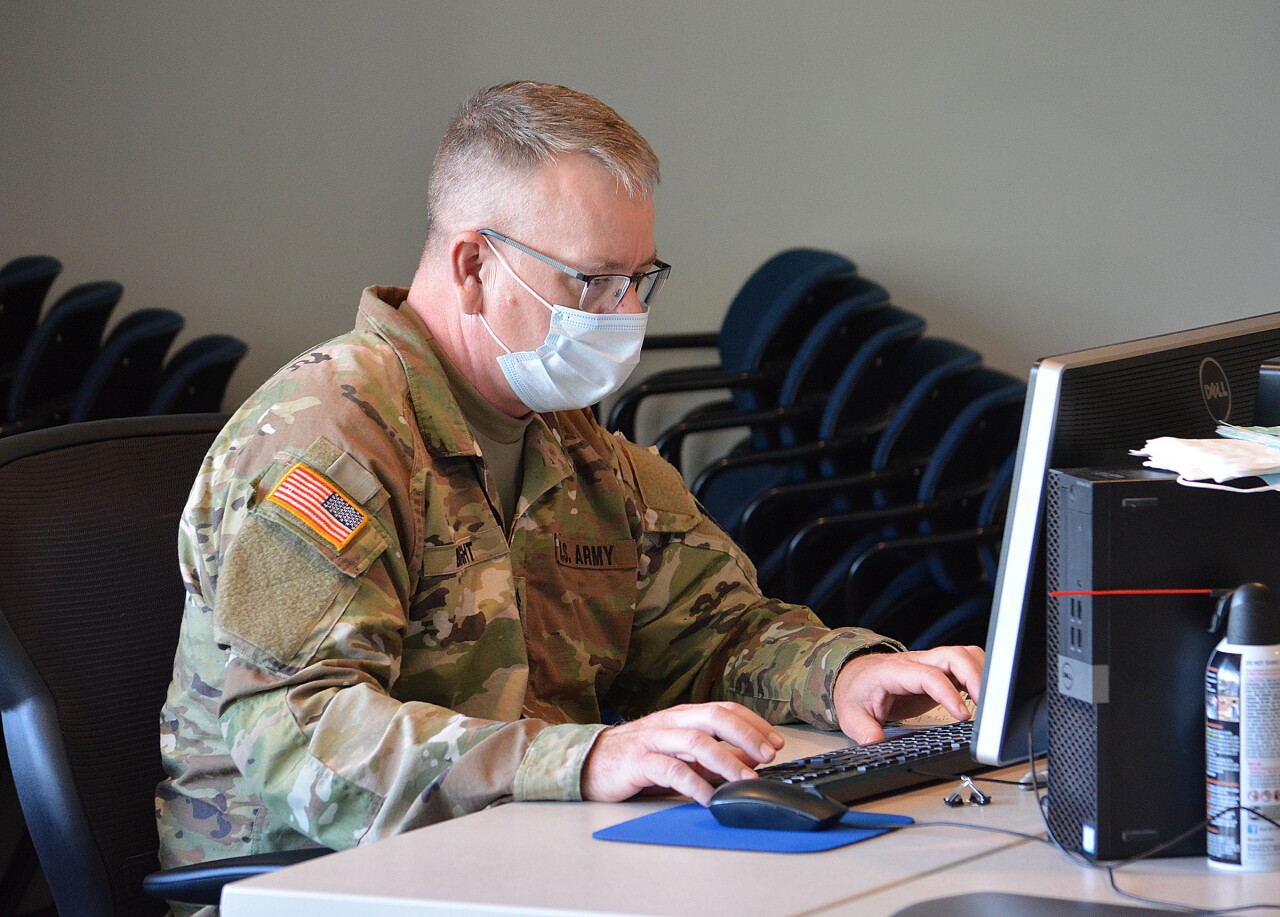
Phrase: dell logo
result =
(1215, 389)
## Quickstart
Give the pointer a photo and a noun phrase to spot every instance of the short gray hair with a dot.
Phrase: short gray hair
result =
(508, 131)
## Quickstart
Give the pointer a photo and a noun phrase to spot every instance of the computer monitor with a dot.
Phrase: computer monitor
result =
(1090, 408)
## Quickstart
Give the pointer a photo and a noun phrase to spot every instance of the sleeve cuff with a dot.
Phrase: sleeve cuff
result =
(552, 766)
(832, 658)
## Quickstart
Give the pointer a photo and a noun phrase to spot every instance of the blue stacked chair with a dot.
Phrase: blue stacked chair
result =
(827, 555)
(763, 327)
(942, 382)
(853, 414)
(808, 378)
(873, 461)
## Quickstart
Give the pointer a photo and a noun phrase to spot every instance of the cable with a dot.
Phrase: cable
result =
(1042, 800)
(1110, 868)
(1050, 840)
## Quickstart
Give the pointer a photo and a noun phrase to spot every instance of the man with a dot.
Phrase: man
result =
(420, 574)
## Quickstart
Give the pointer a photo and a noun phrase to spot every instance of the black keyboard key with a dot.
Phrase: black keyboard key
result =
(861, 771)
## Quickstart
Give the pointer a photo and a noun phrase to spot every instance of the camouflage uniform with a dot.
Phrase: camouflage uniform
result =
(385, 656)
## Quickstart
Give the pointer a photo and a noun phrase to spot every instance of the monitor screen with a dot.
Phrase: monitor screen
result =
(1090, 408)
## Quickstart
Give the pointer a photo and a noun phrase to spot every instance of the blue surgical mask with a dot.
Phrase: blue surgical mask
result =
(586, 356)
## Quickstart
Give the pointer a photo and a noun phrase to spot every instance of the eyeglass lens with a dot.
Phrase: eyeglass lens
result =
(605, 292)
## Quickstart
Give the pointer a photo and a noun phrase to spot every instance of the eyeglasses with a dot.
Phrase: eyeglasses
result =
(601, 292)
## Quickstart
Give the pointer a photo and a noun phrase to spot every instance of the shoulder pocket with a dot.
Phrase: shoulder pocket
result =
(328, 500)
(666, 504)
(293, 567)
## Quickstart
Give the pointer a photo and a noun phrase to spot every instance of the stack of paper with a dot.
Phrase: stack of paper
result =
(1267, 436)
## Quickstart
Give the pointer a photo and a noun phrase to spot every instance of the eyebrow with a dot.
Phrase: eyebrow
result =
(618, 267)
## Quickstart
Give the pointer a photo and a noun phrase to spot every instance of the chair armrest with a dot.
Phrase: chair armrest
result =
(774, 514)
(688, 339)
(813, 544)
(623, 416)
(201, 883)
(857, 591)
(670, 442)
(782, 455)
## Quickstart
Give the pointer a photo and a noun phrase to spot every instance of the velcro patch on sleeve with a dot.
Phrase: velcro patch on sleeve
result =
(661, 489)
(320, 505)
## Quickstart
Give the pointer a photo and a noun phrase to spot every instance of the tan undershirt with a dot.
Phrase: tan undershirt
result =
(499, 436)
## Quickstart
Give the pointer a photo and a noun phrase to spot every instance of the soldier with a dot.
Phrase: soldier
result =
(419, 573)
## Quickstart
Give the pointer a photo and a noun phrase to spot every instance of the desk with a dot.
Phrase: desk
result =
(540, 858)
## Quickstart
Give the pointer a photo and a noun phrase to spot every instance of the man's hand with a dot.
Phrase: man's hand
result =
(678, 749)
(875, 688)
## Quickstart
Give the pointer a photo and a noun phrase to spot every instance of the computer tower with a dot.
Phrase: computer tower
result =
(1125, 677)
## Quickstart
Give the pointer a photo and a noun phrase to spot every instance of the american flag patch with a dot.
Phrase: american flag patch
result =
(326, 510)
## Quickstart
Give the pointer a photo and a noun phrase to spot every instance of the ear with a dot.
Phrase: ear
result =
(466, 256)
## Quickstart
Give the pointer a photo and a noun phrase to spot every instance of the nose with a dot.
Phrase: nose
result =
(631, 304)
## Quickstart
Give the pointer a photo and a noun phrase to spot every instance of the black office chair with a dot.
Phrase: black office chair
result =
(125, 377)
(24, 282)
(195, 378)
(58, 355)
(90, 606)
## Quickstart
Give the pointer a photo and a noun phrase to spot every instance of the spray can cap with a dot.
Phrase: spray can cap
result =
(1255, 616)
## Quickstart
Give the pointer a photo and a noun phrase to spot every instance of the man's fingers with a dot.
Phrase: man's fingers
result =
(680, 760)
(879, 687)
(693, 747)
(962, 663)
(683, 749)
(861, 726)
(948, 670)
(730, 722)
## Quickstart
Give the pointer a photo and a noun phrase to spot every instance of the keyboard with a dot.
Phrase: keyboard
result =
(920, 756)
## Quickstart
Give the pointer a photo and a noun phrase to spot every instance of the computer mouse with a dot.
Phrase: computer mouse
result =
(775, 805)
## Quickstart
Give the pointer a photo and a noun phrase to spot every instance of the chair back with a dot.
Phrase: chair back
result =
(58, 355)
(774, 310)
(196, 377)
(24, 282)
(871, 383)
(833, 340)
(90, 606)
(939, 389)
(125, 377)
(774, 300)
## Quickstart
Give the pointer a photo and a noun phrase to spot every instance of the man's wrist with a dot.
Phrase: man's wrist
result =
(843, 670)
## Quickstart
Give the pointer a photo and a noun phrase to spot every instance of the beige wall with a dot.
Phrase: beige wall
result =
(1029, 176)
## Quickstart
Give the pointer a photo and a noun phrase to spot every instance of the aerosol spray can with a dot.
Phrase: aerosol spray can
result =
(1242, 733)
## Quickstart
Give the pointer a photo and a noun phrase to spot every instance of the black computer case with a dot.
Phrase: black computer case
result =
(1125, 679)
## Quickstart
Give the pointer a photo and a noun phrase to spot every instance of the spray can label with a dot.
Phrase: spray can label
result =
(1242, 756)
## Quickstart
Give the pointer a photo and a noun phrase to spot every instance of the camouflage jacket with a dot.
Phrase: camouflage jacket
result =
(364, 650)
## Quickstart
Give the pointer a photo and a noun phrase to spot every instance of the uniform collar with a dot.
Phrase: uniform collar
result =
(444, 430)
(442, 424)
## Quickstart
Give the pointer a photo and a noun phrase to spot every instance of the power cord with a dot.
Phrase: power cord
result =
(1042, 800)
(1049, 839)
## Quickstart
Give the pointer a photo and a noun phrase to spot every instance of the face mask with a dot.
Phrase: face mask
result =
(1210, 462)
(586, 356)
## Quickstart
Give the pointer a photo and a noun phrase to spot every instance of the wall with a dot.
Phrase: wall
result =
(1031, 177)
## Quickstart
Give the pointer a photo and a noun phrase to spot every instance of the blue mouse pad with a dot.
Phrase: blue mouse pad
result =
(691, 825)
